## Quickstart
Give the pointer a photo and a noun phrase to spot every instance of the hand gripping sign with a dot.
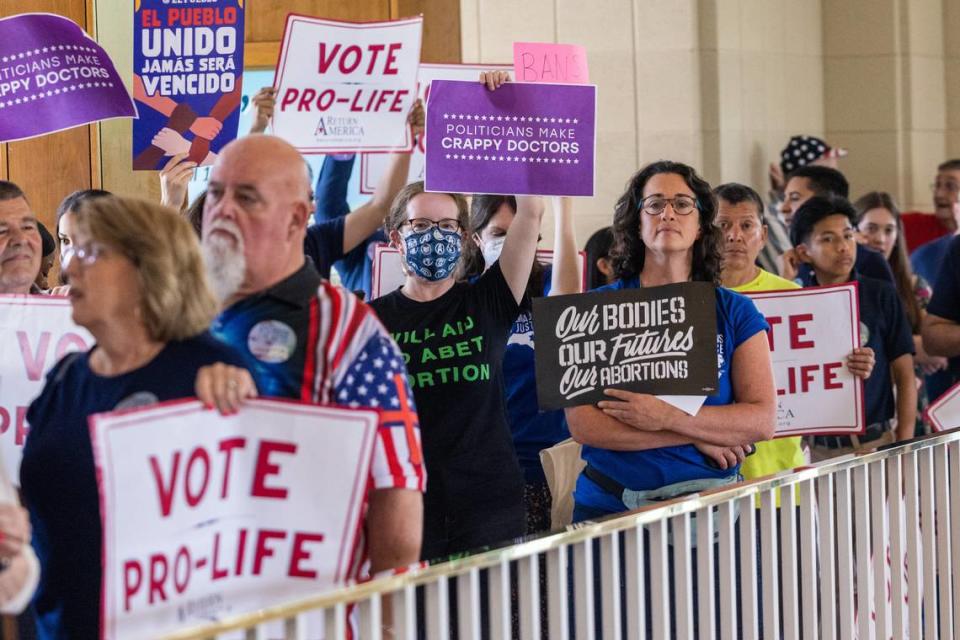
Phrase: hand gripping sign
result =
(812, 331)
(35, 332)
(345, 87)
(374, 165)
(206, 516)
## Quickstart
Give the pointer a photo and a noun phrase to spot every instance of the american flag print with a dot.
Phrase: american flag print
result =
(358, 365)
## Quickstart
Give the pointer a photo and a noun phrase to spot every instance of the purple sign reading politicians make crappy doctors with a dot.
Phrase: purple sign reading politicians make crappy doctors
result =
(522, 139)
(53, 76)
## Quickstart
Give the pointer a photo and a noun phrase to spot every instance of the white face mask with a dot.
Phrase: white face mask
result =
(491, 250)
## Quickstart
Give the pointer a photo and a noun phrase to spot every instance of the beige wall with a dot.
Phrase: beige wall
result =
(886, 88)
(723, 84)
(951, 34)
(711, 82)
(761, 69)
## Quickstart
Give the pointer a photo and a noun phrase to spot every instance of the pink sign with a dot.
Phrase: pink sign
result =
(548, 62)
(811, 332)
(35, 333)
(207, 516)
(944, 412)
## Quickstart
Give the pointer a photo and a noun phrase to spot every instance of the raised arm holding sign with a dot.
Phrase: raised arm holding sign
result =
(374, 165)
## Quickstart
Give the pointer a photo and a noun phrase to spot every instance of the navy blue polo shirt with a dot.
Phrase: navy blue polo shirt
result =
(926, 260)
(324, 244)
(272, 330)
(946, 294)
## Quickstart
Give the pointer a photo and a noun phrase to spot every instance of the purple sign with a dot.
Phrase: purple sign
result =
(53, 76)
(522, 139)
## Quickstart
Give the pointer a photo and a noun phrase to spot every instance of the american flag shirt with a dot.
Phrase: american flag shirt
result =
(309, 340)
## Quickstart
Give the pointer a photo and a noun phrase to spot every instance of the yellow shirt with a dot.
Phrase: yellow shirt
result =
(780, 454)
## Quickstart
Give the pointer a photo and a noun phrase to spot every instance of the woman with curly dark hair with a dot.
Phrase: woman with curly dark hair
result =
(637, 447)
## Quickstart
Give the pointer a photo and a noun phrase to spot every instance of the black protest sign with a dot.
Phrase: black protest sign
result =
(659, 340)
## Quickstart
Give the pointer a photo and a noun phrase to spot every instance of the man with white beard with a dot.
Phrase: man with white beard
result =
(305, 338)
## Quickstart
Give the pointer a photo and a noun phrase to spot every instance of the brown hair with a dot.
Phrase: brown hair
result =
(629, 251)
(398, 210)
(10, 191)
(176, 299)
(899, 263)
(482, 209)
(194, 213)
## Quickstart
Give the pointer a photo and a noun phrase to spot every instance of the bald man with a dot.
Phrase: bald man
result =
(305, 338)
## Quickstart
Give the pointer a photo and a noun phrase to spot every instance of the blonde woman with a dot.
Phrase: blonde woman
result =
(138, 286)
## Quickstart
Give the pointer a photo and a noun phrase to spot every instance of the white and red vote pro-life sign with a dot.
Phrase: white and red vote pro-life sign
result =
(944, 412)
(388, 274)
(346, 87)
(812, 331)
(35, 332)
(374, 165)
(206, 516)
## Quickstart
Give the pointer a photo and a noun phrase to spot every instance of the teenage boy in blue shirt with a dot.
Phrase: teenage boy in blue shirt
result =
(822, 230)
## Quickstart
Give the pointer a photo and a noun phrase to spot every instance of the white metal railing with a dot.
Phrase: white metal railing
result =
(876, 533)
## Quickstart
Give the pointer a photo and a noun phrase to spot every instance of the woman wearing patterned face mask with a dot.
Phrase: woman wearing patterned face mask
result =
(453, 336)
(491, 217)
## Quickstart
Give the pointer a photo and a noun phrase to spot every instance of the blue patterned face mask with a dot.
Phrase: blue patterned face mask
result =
(432, 254)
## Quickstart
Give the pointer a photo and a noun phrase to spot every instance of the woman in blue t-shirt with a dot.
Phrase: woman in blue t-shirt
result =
(137, 285)
(637, 447)
(533, 430)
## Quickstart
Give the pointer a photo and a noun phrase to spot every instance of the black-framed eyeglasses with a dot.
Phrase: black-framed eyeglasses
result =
(420, 225)
(655, 205)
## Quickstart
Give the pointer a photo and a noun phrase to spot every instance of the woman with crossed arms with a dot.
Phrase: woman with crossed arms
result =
(637, 447)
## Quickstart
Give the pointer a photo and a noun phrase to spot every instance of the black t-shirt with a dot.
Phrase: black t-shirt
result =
(454, 347)
(58, 477)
